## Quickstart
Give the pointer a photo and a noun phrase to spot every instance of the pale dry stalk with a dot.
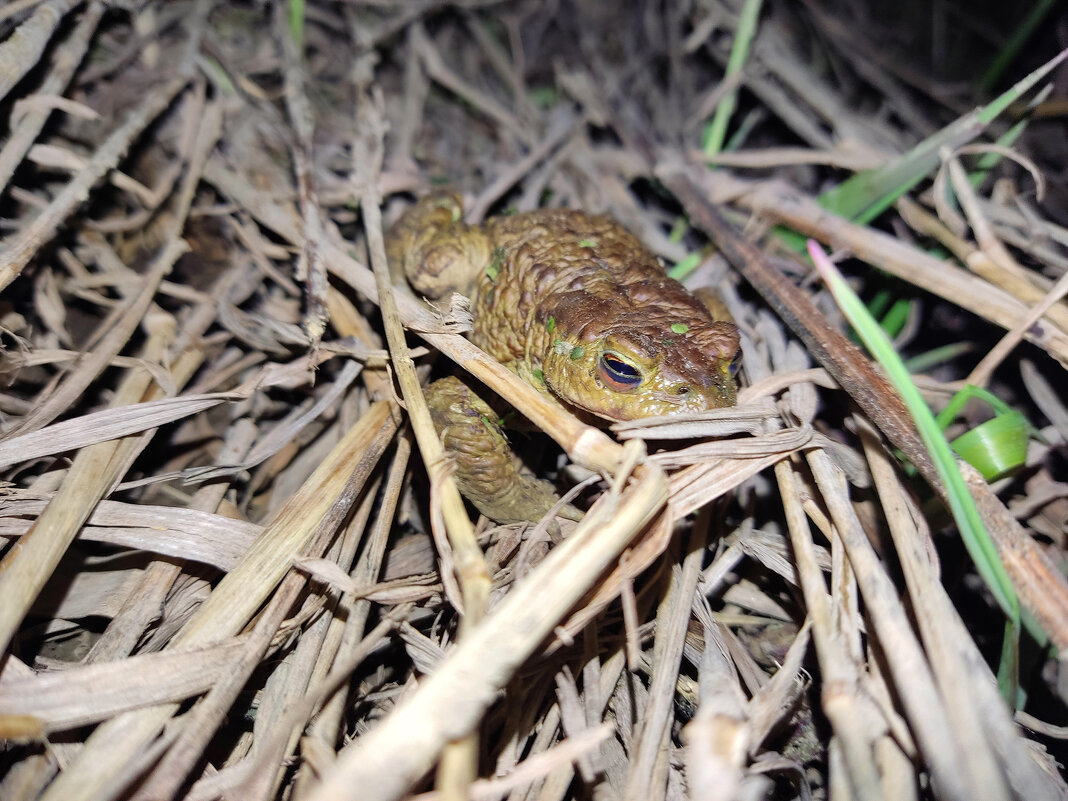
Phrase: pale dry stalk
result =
(978, 712)
(924, 707)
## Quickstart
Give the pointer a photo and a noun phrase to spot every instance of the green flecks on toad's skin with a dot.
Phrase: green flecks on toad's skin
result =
(577, 352)
(493, 269)
(539, 376)
(495, 426)
(550, 324)
(679, 328)
(588, 243)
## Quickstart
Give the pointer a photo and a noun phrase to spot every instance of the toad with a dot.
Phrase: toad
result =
(576, 306)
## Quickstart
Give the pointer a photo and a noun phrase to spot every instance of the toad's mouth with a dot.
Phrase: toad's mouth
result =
(624, 411)
(589, 416)
(585, 412)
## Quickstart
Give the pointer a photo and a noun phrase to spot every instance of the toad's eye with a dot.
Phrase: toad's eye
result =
(736, 364)
(619, 374)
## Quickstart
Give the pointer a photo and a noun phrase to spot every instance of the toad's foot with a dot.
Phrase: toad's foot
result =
(435, 249)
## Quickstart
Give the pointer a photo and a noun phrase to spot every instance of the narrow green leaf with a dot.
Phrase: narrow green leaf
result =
(716, 131)
(296, 22)
(976, 539)
(867, 194)
(1015, 42)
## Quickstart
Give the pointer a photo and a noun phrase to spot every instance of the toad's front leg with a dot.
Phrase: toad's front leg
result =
(435, 249)
(486, 471)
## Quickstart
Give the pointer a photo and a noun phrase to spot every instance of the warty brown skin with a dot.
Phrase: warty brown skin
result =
(576, 306)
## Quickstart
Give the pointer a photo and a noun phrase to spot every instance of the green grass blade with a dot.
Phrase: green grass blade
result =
(686, 266)
(867, 194)
(296, 22)
(976, 539)
(717, 129)
(923, 362)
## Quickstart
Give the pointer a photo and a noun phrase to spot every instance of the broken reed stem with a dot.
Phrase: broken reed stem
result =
(319, 692)
(309, 660)
(470, 564)
(233, 602)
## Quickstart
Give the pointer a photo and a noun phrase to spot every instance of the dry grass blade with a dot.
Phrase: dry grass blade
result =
(24, 49)
(979, 716)
(98, 692)
(931, 725)
(234, 601)
(170, 531)
(15, 257)
(30, 124)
